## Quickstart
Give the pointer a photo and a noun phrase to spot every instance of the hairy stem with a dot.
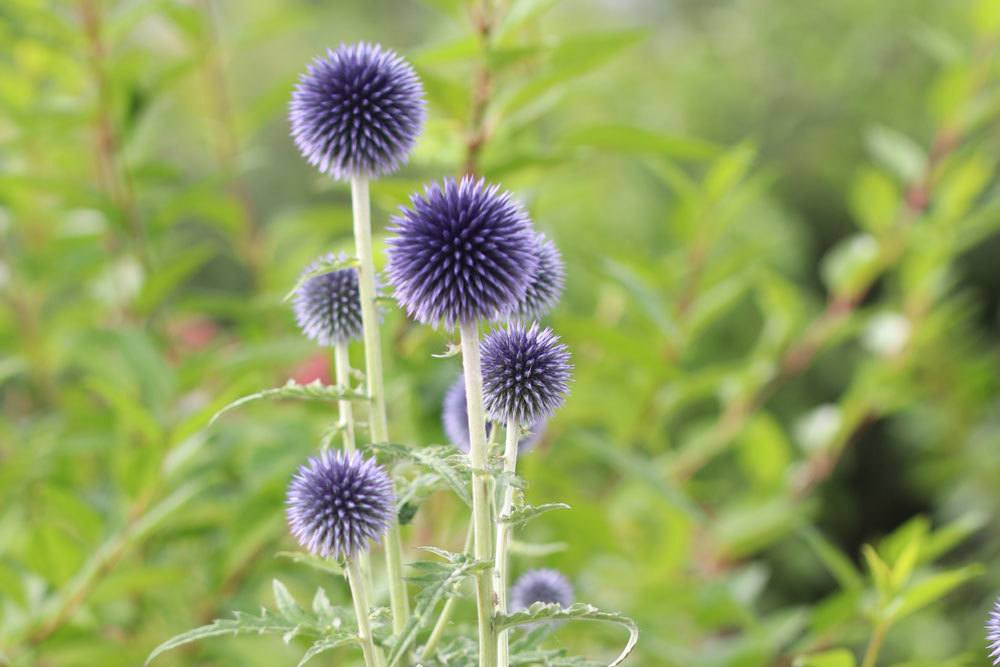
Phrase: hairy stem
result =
(482, 522)
(373, 383)
(359, 593)
(504, 531)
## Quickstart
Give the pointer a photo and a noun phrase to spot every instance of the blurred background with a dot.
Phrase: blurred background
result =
(779, 221)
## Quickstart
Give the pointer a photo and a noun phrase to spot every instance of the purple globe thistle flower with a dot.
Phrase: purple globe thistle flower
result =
(993, 633)
(547, 284)
(337, 502)
(455, 418)
(542, 585)
(463, 252)
(357, 111)
(328, 307)
(525, 373)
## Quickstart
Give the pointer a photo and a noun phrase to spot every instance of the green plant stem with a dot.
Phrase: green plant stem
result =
(874, 645)
(482, 523)
(359, 593)
(449, 605)
(373, 383)
(504, 531)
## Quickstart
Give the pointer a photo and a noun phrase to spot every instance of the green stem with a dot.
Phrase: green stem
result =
(504, 531)
(373, 382)
(482, 522)
(874, 645)
(359, 593)
(428, 650)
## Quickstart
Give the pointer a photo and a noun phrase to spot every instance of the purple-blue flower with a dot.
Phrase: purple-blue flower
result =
(993, 633)
(525, 373)
(455, 418)
(328, 307)
(337, 502)
(542, 585)
(357, 111)
(546, 285)
(462, 252)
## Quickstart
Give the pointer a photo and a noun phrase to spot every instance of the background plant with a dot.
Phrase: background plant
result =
(779, 221)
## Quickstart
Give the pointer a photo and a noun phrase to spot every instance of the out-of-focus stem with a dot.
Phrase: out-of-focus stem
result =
(482, 523)
(504, 531)
(874, 645)
(375, 388)
(359, 593)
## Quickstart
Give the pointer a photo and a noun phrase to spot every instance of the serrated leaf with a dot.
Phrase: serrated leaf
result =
(287, 606)
(314, 391)
(522, 515)
(578, 612)
(326, 644)
(266, 623)
(443, 461)
(322, 267)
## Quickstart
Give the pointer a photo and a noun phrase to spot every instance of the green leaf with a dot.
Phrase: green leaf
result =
(326, 644)
(526, 513)
(851, 264)
(287, 606)
(315, 562)
(244, 624)
(443, 460)
(314, 391)
(628, 139)
(874, 200)
(519, 13)
(839, 657)
(577, 612)
(323, 266)
(880, 572)
(897, 152)
(934, 587)
(838, 564)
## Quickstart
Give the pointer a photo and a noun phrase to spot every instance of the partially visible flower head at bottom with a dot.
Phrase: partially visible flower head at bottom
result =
(525, 373)
(455, 419)
(336, 503)
(541, 585)
(993, 633)
(328, 306)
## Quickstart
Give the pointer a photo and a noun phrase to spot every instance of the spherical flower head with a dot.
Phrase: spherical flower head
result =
(337, 502)
(993, 633)
(542, 585)
(357, 111)
(455, 418)
(462, 252)
(546, 285)
(328, 306)
(525, 373)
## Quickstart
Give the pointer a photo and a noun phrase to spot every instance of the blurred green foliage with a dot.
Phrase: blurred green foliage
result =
(780, 225)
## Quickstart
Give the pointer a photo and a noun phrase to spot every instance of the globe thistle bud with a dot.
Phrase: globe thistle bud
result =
(462, 252)
(993, 633)
(357, 111)
(328, 306)
(337, 502)
(525, 373)
(542, 585)
(546, 285)
(455, 418)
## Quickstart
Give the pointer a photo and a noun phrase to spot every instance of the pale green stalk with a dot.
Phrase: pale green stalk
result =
(875, 645)
(504, 531)
(359, 593)
(373, 383)
(482, 520)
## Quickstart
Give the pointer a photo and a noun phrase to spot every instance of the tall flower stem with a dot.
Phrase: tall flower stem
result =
(482, 521)
(373, 383)
(359, 593)
(504, 530)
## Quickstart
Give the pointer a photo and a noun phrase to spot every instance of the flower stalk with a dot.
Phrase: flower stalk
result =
(374, 385)
(361, 597)
(482, 520)
(504, 532)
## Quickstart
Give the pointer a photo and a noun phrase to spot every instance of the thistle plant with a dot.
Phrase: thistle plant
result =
(993, 633)
(455, 420)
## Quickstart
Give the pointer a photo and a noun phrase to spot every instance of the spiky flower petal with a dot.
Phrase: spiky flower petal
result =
(328, 307)
(337, 502)
(462, 252)
(525, 373)
(546, 285)
(455, 418)
(993, 633)
(357, 111)
(541, 585)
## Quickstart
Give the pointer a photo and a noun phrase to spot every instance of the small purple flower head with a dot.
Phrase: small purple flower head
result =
(542, 585)
(357, 111)
(455, 418)
(547, 284)
(462, 252)
(337, 502)
(993, 633)
(328, 307)
(525, 373)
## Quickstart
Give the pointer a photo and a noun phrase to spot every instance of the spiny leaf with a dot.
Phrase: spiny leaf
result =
(443, 461)
(522, 515)
(322, 267)
(326, 644)
(242, 623)
(578, 612)
(314, 391)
